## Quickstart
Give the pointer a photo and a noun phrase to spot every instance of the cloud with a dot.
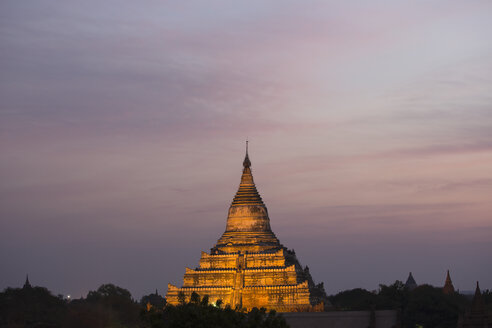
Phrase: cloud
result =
(436, 150)
(122, 132)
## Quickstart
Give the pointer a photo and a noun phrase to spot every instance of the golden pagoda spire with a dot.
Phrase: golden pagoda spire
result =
(246, 162)
(247, 193)
(247, 222)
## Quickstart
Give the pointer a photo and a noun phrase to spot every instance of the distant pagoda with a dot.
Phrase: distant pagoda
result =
(248, 267)
(27, 284)
(410, 284)
(448, 285)
(476, 316)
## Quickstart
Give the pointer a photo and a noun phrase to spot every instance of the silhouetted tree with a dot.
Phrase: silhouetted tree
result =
(394, 296)
(108, 306)
(487, 299)
(181, 298)
(354, 300)
(31, 307)
(204, 301)
(200, 314)
(428, 306)
(156, 300)
(194, 298)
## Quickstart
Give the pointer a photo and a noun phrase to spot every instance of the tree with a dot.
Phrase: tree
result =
(31, 307)
(195, 298)
(428, 306)
(200, 314)
(487, 299)
(155, 300)
(109, 291)
(181, 298)
(394, 296)
(355, 300)
(204, 301)
(108, 306)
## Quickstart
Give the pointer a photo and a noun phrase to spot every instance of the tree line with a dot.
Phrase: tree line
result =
(111, 306)
(424, 306)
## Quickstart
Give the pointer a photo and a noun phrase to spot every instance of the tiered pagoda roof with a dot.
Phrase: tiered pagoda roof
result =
(248, 267)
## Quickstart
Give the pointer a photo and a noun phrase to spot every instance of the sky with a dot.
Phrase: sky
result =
(123, 125)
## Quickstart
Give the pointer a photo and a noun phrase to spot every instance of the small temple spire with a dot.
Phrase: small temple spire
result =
(477, 290)
(477, 315)
(27, 284)
(478, 306)
(448, 285)
(411, 284)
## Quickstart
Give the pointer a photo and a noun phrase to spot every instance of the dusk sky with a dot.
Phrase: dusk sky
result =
(123, 124)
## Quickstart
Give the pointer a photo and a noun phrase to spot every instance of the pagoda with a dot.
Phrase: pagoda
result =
(27, 284)
(477, 316)
(248, 267)
(448, 285)
(411, 284)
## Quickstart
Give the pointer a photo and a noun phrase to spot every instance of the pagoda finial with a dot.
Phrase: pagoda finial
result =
(246, 162)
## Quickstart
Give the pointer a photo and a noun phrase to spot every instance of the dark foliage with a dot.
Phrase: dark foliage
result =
(394, 296)
(198, 313)
(425, 306)
(111, 306)
(487, 299)
(155, 300)
(36, 307)
(108, 306)
(429, 307)
(354, 300)
(31, 307)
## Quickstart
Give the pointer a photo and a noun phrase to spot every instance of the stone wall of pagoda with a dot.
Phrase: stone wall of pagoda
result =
(252, 260)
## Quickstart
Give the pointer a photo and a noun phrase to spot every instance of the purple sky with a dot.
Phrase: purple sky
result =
(122, 129)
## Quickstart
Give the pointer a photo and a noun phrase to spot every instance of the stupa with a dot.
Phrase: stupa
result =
(448, 285)
(477, 316)
(411, 284)
(248, 267)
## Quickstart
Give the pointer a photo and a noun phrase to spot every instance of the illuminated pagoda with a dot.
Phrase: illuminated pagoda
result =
(248, 267)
